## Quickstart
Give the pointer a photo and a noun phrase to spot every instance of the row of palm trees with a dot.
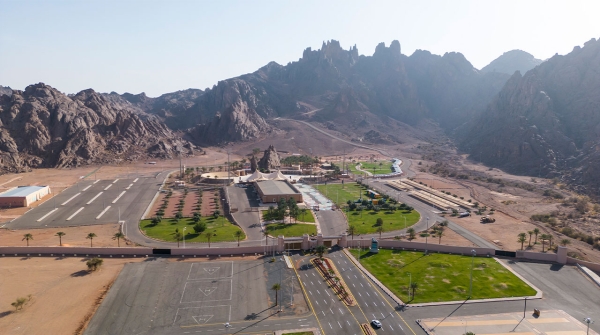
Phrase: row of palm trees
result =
(117, 236)
(438, 231)
(543, 237)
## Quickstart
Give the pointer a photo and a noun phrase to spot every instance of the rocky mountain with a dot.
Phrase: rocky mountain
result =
(42, 127)
(5, 90)
(546, 122)
(270, 159)
(511, 61)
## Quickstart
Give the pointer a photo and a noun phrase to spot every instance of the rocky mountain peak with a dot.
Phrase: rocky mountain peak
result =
(5, 90)
(270, 159)
(511, 61)
(393, 51)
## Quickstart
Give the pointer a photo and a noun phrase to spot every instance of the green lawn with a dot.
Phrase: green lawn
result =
(290, 230)
(442, 277)
(306, 217)
(364, 221)
(373, 167)
(222, 229)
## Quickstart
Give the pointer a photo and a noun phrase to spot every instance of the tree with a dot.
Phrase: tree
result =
(118, 236)
(379, 222)
(439, 233)
(27, 237)
(94, 263)
(544, 238)
(91, 236)
(536, 231)
(413, 287)
(216, 213)
(199, 227)
(196, 217)
(179, 215)
(303, 212)
(444, 223)
(60, 234)
(412, 234)
(276, 288)
(238, 234)
(469, 333)
(321, 249)
(380, 230)
(352, 230)
(266, 234)
(208, 235)
(19, 303)
(530, 233)
(565, 241)
(550, 237)
(177, 236)
(331, 273)
(522, 239)
(156, 220)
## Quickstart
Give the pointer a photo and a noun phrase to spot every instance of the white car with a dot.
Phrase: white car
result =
(376, 324)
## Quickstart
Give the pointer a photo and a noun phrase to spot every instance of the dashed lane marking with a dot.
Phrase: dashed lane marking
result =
(136, 179)
(85, 189)
(120, 195)
(102, 213)
(116, 180)
(94, 198)
(73, 215)
(71, 198)
(43, 217)
(107, 187)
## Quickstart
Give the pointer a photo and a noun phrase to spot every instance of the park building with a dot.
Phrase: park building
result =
(23, 196)
(273, 190)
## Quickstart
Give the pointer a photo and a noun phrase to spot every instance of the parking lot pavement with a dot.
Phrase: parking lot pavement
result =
(162, 296)
(244, 199)
(92, 202)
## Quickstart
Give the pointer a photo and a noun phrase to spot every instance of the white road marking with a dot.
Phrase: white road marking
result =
(306, 274)
(328, 293)
(348, 322)
(400, 327)
(128, 187)
(136, 179)
(317, 302)
(318, 292)
(341, 311)
(361, 285)
(77, 212)
(102, 213)
(382, 316)
(391, 327)
(96, 182)
(120, 195)
(71, 198)
(310, 292)
(313, 274)
(50, 212)
(94, 198)
(107, 187)
(345, 262)
(339, 324)
(330, 325)
(355, 277)
(116, 180)
(311, 283)
(368, 294)
(343, 269)
(366, 304)
(359, 294)
(85, 189)
(353, 285)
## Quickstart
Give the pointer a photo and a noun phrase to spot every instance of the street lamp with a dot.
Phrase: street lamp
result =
(184, 228)
(426, 234)
(409, 284)
(473, 253)
(588, 321)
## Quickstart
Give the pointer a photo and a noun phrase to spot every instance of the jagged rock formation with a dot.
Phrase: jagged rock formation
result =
(253, 164)
(5, 90)
(511, 61)
(546, 122)
(270, 159)
(42, 127)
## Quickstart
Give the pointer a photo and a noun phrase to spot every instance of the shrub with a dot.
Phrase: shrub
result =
(94, 263)
(199, 227)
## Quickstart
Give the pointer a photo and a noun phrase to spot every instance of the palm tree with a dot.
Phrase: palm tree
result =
(27, 237)
(536, 231)
(412, 234)
(266, 234)
(530, 233)
(565, 241)
(303, 212)
(439, 233)
(118, 236)
(60, 234)
(91, 236)
(550, 237)
(522, 239)
(380, 230)
(414, 286)
(331, 272)
(177, 236)
(208, 237)
(352, 230)
(543, 237)
(321, 251)
(238, 235)
(276, 288)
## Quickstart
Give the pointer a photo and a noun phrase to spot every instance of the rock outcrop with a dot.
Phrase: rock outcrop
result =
(270, 159)
(5, 90)
(512, 61)
(42, 127)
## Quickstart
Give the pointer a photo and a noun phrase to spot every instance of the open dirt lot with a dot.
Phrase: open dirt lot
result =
(63, 294)
(75, 236)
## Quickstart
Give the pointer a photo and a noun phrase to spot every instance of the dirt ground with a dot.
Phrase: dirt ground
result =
(75, 236)
(63, 294)
(449, 238)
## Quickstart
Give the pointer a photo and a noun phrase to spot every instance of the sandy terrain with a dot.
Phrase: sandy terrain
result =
(449, 238)
(75, 236)
(63, 294)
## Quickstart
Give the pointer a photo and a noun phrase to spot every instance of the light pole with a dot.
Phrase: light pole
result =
(409, 284)
(588, 321)
(426, 234)
(473, 253)
(184, 228)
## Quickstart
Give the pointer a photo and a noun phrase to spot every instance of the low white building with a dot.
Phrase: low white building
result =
(23, 196)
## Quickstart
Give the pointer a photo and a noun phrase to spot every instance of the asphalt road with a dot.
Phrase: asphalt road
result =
(87, 203)
(333, 223)
(244, 199)
(165, 297)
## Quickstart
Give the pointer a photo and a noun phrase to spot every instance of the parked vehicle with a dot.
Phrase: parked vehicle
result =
(464, 214)
(376, 324)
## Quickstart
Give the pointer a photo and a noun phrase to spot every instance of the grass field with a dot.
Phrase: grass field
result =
(306, 217)
(222, 229)
(372, 167)
(290, 230)
(364, 221)
(442, 277)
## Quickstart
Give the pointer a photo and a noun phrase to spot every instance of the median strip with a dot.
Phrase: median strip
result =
(43, 217)
(94, 198)
(120, 195)
(71, 198)
(77, 212)
(102, 213)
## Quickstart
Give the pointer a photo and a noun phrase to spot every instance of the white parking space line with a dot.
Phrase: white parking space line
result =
(77, 212)
(107, 187)
(128, 187)
(96, 182)
(328, 293)
(368, 294)
(85, 189)
(50, 212)
(102, 213)
(339, 324)
(120, 195)
(71, 198)
(116, 180)
(136, 179)
(94, 198)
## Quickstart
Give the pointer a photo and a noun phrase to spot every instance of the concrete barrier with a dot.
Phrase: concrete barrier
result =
(592, 266)
(223, 251)
(419, 246)
(538, 256)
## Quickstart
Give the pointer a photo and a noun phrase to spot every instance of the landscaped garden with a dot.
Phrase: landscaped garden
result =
(282, 217)
(291, 230)
(171, 230)
(441, 277)
(365, 217)
(380, 167)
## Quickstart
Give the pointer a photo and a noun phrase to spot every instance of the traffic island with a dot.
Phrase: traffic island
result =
(367, 329)
(331, 275)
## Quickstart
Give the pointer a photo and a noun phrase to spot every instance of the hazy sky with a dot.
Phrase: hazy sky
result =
(163, 46)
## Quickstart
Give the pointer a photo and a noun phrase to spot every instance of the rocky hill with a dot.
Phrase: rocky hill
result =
(546, 122)
(511, 61)
(5, 90)
(42, 127)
